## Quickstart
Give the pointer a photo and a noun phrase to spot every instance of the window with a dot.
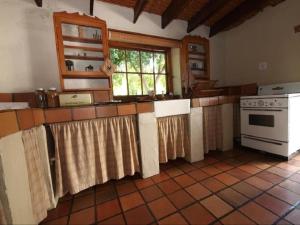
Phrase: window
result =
(138, 72)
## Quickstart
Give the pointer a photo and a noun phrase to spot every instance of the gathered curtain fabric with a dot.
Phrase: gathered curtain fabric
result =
(38, 172)
(212, 128)
(173, 136)
(94, 151)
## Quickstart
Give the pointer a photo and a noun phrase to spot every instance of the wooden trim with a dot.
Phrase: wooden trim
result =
(25, 119)
(6, 97)
(106, 111)
(173, 11)
(138, 9)
(136, 46)
(83, 113)
(126, 109)
(9, 123)
(297, 29)
(58, 115)
(39, 3)
(145, 107)
(138, 38)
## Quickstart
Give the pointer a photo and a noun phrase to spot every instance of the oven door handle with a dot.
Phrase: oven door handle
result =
(266, 110)
(266, 141)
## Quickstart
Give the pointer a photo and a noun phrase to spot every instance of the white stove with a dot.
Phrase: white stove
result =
(271, 123)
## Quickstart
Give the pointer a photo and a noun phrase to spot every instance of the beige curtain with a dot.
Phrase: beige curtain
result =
(173, 135)
(212, 128)
(236, 120)
(5, 211)
(37, 180)
(94, 151)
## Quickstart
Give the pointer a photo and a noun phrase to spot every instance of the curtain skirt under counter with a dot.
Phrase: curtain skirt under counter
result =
(94, 151)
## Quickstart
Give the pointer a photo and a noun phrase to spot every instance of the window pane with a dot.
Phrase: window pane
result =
(133, 61)
(117, 57)
(134, 83)
(161, 84)
(119, 84)
(147, 62)
(159, 63)
(148, 84)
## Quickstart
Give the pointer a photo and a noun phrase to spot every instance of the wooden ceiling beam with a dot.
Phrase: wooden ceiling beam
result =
(245, 10)
(297, 29)
(172, 12)
(39, 3)
(138, 9)
(205, 13)
(91, 7)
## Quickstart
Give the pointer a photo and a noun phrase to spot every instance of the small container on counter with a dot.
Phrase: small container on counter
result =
(52, 97)
(41, 98)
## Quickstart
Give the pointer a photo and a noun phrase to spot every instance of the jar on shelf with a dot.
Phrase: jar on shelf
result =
(52, 97)
(41, 98)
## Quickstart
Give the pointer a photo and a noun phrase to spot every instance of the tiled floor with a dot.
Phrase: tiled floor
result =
(235, 187)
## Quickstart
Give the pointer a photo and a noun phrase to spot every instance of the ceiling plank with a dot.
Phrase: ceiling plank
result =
(205, 13)
(138, 9)
(172, 12)
(245, 10)
(39, 3)
(91, 7)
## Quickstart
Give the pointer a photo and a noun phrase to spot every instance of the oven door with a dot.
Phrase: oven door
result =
(265, 123)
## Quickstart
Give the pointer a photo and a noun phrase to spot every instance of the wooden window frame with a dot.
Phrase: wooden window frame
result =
(144, 48)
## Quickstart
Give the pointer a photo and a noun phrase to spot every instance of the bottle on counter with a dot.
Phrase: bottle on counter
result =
(41, 98)
(52, 98)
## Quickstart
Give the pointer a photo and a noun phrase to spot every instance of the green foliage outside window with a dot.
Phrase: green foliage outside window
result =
(138, 72)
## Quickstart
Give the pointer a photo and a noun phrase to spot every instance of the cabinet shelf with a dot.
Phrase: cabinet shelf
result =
(191, 58)
(85, 74)
(196, 53)
(84, 48)
(90, 58)
(197, 69)
(82, 40)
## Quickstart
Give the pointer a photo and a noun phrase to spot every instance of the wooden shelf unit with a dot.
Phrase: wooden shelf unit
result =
(86, 26)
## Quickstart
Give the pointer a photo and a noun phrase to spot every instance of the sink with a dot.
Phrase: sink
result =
(172, 107)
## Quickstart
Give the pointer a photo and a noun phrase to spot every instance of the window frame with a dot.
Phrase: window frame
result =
(144, 48)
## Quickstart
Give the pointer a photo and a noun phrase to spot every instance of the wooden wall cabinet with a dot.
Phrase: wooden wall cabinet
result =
(82, 47)
(195, 62)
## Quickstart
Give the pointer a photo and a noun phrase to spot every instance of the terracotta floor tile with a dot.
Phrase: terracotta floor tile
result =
(283, 222)
(175, 219)
(198, 175)
(105, 195)
(213, 184)
(280, 172)
(187, 167)
(284, 195)
(275, 205)
(130, 201)
(295, 177)
(160, 177)
(151, 193)
(173, 172)
(294, 216)
(169, 186)
(200, 164)
(259, 214)
(238, 173)
(143, 183)
(139, 215)
(260, 165)
(210, 160)
(198, 191)
(288, 167)
(211, 170)
(116, 220)
(216, 206)
(234, 162)
(126, 188)
(184, 180)
(227, 179)
(233, 197)
(108, 209)
(62, 209)
(271, 177)
(197, 214)
(235, 218)
(180, 199)
(83, 202)
(259, 183)
(249, 169)
(83, 217)
(223, 166)
(294, 162)
(291, 185)
(59, 221)
(161, 207)
(247, 189)
(88, 191)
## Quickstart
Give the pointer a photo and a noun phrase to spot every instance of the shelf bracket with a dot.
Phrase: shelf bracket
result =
(39, 3)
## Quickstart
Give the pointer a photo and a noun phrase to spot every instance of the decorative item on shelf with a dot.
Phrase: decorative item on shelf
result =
(80, 31)
(89, 68)
(194, 65)
(84, 54)
(69, 65)
(41, 98)
(52, 97)
(193, 48)
(97, 35)
(108, 67)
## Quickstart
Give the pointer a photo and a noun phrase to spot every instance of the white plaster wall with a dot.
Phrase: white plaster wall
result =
(268, 37)
(27, 44)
